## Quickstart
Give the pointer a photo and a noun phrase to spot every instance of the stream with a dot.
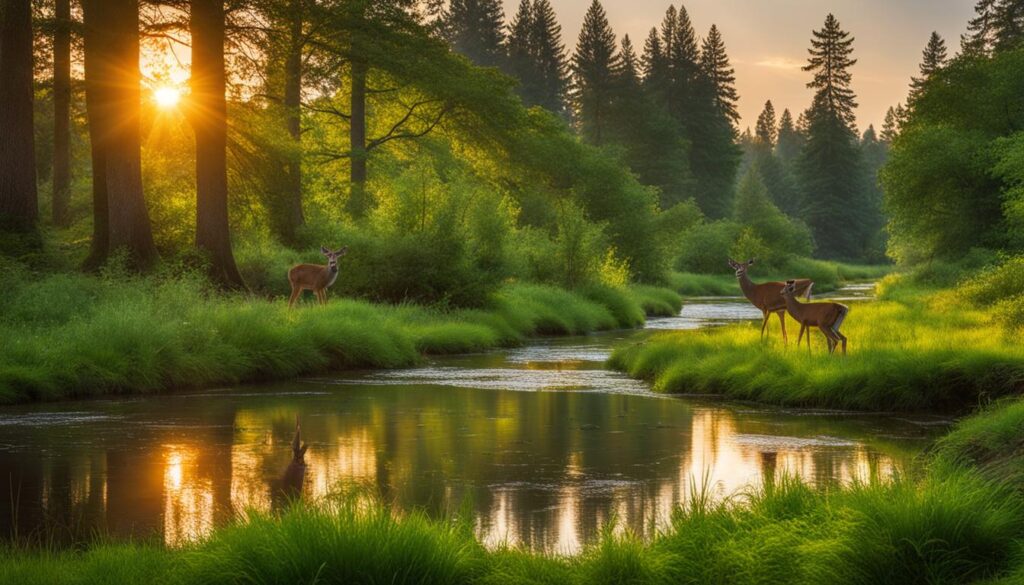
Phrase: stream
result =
(542, 444)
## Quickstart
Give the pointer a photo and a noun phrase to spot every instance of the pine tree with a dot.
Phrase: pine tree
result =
(891, 126)
(1008, 25)
(979, 38)
(549, 56)
(830, 63)
(715, 66)
(629, 66)
(594, 66)
(653, 61)
(766, 128)
(934, 57)
(475, 28)
(684, 64)
(789, 140)
(521, 64)
(830, 167)
(19, 203)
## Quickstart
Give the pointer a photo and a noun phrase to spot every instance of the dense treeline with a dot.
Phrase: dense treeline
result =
(308, 122)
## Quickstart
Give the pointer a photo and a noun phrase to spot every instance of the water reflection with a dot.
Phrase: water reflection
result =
(546, 470)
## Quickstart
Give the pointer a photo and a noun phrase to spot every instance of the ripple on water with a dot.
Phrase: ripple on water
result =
(544, 353)
(698, 315)
(779, 442)
(41, 419)
(509, 379)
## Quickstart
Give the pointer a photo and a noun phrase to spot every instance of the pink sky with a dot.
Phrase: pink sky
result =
(767, 41)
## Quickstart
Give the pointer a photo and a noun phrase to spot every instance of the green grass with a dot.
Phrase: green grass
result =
(913, 350)
(71, 335)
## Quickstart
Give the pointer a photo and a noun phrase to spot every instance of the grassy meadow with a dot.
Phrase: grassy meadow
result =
(951, 521)
(916, 348)
(828, 276)
(73, 335)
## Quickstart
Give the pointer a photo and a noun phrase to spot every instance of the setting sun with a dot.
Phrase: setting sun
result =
(167, 97)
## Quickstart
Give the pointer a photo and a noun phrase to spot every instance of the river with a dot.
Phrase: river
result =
(542, 444)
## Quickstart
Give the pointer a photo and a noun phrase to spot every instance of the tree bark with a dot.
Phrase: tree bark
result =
(359, 199)
(96, 116)
(113, 26)
(62, 113)
(19, 202)
(292, 207)
(208, 114)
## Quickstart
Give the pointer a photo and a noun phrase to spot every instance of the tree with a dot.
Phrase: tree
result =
(979, 38)
(789, 140)
(19, 205)
(121, 220)
(291, 215)
(830, 63)
(594, 66)
(830, 167)
(208, 117)
(766, 130)
(1008, 25)
(716, 69)
(549, 57)
(933, 59)
(475, 28)
(890, 127)
(652, 61)
(521, 62)
(61, 112)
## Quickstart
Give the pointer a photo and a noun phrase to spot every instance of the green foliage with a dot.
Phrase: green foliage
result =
(912, 351)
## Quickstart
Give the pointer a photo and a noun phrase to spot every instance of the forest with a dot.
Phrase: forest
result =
(493, 185)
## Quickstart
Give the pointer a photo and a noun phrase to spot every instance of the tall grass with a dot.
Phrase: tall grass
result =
(951, 528)
(913, 350)
(827, 276)
(70, 335)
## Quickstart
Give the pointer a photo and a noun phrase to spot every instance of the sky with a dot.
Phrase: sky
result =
(767, 41)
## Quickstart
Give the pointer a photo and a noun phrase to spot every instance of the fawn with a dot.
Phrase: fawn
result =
(315, 277)
(827, 316)
(766, 296)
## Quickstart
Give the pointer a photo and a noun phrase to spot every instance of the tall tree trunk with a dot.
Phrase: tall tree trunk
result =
(19, 203)
(96, 116)
(62, 113)
(112, 35)
(292, 207)
(359, 199)
(208, 115)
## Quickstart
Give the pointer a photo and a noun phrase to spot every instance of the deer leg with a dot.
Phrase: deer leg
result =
(782, 321)
(829, 337)
(320, 296)
(800, 338)
(324, 295)
(841, 338)
(296, 291)
(764, 323)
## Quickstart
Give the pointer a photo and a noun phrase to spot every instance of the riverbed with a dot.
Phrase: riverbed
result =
(542, 444)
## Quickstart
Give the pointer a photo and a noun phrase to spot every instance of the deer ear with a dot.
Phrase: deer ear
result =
(342, 251)
(324, 250)
(751, 263)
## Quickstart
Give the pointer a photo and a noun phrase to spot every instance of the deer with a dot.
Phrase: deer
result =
(315, 277)
(766, 296)
(289, 487)
(827, 316)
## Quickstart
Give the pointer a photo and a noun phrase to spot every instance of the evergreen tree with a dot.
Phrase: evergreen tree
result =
(684, 64)
(521, 64)
(934, 57)
(891, 126)
(830, 166)
(1008, 25)
(652, 61)
(19, 203)
(629, 66)
(717, 70)
(549, 57)
(978, 40)
(766, 129)
(594, 67)
(475, 28)
(830, 63)
(789, 141)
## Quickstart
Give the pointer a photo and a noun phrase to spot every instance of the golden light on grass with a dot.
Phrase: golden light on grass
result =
(166, 96)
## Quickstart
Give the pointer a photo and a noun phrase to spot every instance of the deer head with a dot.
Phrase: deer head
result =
(332, 257)
(789, 290)
(740, 267)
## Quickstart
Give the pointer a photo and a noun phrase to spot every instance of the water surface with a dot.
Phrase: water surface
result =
(542, 443)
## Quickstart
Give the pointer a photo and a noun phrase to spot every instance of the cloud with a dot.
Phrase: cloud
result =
(783, 63)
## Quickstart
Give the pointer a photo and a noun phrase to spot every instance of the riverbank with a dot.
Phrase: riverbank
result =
(828, 276)
(71, 335)
(914, 349)
(958, 520)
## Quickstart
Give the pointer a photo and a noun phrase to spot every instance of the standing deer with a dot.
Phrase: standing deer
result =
(315, 277)
(767, 295)
(827, 316)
